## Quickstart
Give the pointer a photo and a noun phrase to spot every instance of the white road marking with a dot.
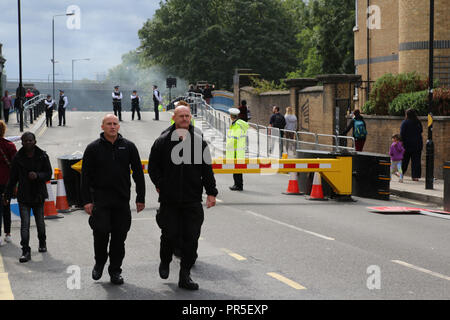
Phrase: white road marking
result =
(432, 273)
(290, 226)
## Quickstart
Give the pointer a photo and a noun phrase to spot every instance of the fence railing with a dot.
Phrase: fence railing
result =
(264, 141)
(32, 108)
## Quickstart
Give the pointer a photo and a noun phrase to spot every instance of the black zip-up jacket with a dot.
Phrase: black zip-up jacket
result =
(180, 175)
(29, 191)
(105, 173)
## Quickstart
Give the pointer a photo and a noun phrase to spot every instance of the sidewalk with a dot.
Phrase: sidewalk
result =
(415, 190)
(13, 127)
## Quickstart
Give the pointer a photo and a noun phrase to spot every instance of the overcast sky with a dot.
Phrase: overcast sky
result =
(108, 29)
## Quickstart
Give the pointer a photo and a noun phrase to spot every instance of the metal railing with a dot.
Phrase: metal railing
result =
(264, 141)
(32, 108)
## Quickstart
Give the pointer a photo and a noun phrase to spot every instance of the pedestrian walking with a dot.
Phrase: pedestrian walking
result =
(243, 111)
(359, 130)
(157, 100)
(207, 94)
(277, 122)
(180, 167)
(29, 95)
(49, 102)
(396, 152)
(411, 134)
(117, 102)
(62, 105)
(31, 169)
(105, 188)
(7, 152)
(236, 145)
(7, 105)
(135, 100)
(290, 127)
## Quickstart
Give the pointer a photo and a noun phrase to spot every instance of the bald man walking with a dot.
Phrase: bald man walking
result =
(105, 188)
(180, 167)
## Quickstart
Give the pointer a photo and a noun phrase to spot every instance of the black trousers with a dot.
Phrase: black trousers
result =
(416, 165)
(238, 180)
(48, 117)
(25, 212)
(5, 213)
(62, 116)
(110, 223)
(135, 109)
(117, 107)
(183, 221)
(6, 114)
(156, 106)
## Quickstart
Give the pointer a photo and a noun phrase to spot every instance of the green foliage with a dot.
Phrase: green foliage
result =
(389, 86)
(207, 40)
(262, 85)
(419, 101)
(415, 100)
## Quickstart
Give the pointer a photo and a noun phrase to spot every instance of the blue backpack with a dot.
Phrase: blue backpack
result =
(359, 129)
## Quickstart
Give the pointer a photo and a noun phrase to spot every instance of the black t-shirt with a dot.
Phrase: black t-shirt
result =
(277, 120)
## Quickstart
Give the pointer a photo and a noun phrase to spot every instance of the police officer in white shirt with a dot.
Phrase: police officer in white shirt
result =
(49, 110)
(135, 99)
(157, 99)
(117, 102)
(63, 103)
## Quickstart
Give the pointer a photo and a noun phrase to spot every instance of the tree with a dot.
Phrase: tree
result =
(207, 40)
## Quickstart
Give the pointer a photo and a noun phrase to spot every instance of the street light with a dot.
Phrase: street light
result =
(53, 44)
(73, 60)
(20, 91)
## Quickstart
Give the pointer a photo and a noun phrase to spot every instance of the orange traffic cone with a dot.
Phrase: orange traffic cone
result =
(49, 205)
(293, 185)
(62, 205)
(316, 190)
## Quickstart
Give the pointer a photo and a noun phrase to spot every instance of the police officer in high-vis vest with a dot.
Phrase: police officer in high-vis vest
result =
(236, 145)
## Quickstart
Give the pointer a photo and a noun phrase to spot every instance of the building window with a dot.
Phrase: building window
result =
(441, 70)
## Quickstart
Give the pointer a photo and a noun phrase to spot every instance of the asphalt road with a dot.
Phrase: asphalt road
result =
(255, 244)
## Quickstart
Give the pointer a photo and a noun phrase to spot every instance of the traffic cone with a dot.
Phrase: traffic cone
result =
(316, 190)
(49, 205)
(293, 185)
(62, 205)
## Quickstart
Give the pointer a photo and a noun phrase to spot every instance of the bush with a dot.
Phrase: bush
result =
(415, 100)
(368, 107)
(389, 86)
(419, 102)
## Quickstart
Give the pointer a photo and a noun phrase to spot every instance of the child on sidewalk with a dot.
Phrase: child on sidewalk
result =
(396, 152)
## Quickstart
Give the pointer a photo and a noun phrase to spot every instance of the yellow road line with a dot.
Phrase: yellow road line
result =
(432, 273)
(287, 281)
(5, 286)
(234, 255)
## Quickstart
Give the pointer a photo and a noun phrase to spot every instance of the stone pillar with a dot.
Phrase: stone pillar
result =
(295, 85)
(337, 100)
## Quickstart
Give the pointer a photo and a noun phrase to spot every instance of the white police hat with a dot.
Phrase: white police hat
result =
(234, 111)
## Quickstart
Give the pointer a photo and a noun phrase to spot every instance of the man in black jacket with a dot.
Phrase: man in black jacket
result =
(105, 188)
(179, 167)
(31, 169)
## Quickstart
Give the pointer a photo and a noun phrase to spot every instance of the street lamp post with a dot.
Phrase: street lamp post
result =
(53, 44)
(430, 145)
(73, 63)
(20, 70)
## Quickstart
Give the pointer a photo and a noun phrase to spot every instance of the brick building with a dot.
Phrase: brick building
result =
(393, 35)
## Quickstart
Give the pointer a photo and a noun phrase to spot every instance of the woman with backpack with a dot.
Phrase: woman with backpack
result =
(359, 130)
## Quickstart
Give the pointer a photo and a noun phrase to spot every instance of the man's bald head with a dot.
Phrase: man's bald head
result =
(182, 116)
(110, 127)
(110, 116)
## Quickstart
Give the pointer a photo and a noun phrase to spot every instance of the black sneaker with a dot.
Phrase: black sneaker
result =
(26, 256)
(236, 188)
(116, 278)
(97, 272)
(186, 282)
(164, 270)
